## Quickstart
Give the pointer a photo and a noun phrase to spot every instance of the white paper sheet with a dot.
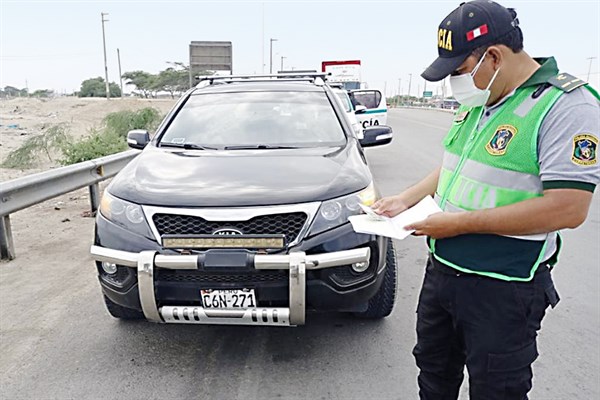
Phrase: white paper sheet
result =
(394, 227)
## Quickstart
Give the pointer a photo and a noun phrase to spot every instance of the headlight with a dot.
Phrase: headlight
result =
(331, 210)
(125, 214)
(335, 212)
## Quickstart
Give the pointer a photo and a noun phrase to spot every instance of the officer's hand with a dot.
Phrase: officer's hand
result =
(390, 206)
(438, 226)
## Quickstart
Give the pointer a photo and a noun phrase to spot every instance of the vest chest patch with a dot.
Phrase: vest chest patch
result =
(499, 142)
(585, 148)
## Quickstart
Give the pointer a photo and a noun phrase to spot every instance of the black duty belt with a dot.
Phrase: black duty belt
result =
(445, 269)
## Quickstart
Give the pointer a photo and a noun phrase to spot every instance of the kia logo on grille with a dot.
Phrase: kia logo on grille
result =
(227, 232)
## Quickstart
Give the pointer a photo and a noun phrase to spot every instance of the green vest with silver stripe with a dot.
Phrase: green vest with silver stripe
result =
(494, 166)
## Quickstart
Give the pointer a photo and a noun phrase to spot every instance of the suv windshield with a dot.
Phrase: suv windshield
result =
(256, 120)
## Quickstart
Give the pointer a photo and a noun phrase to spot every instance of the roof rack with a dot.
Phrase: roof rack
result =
(336, 85)
(312, 76)
(300, 79)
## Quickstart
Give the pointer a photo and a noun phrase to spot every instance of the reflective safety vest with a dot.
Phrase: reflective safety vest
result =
(490, 167)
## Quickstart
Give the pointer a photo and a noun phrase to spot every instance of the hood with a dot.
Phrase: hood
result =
(207, 178)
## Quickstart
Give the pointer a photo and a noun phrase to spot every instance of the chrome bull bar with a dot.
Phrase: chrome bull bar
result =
(296, 262)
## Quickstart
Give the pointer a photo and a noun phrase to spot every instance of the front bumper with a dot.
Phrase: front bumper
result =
(147, 264)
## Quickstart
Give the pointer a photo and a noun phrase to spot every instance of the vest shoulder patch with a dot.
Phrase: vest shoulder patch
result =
(585, 148)
(566, 82)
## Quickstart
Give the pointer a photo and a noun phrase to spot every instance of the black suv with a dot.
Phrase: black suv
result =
(236, 212)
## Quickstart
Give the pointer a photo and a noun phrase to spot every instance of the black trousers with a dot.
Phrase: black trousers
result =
(487, 324)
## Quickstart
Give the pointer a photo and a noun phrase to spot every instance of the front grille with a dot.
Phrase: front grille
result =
(216, 277)
(289, 224)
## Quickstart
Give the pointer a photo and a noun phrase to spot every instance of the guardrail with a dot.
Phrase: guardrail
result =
(21, 193)
(446, 110)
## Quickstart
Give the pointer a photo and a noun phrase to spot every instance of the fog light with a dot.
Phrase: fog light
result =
(109, 268)
(360, 266)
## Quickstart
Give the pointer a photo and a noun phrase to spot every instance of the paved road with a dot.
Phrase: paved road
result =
(57, 342)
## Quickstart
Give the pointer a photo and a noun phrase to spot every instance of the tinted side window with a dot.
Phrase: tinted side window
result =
(369, 99)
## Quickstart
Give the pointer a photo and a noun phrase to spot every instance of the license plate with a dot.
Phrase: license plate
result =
(228, 299)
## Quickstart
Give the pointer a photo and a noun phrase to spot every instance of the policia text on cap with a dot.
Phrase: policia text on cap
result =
(520, 164)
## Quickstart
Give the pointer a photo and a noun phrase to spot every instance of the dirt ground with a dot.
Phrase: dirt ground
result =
(22, 118)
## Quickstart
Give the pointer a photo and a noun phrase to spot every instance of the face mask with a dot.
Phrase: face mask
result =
(464, 89)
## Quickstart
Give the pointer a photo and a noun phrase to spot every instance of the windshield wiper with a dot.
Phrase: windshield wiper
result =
(259, 146)
(187, 146)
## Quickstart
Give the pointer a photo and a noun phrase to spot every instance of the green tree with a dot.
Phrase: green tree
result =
(114, 90)
(170, 80)
(184, 74)
(42, 93)
(96, 87)
(144, 81)
(11, 91)
(176, 78)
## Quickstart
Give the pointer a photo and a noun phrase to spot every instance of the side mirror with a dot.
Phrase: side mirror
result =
(376, 136)
(138, 138)
(360, 109)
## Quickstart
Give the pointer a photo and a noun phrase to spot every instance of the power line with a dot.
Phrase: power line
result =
(44, 56)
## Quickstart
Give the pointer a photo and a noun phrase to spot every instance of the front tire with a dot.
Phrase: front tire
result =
(382, 304)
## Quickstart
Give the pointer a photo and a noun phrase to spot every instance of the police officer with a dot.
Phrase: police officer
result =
(520, 164)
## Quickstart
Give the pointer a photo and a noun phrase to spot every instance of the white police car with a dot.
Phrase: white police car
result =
(374, 112)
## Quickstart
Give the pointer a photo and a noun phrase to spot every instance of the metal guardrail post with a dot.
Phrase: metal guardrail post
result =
(95, 197)
(7, 247)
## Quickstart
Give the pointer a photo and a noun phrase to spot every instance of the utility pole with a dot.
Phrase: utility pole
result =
(120, 75)
(262, 60)
(590, 68)
(282, 58)
(105, 65)
(409, 82)
(271, 55)
(399, 92)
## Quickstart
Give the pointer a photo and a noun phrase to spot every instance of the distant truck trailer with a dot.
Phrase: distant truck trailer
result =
(346, 72)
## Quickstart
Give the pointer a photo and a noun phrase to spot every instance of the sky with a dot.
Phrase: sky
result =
(58, 44)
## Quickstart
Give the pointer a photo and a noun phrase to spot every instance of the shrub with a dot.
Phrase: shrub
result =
(121, 122)
(97, 144)
(27, 155)
(109, 140)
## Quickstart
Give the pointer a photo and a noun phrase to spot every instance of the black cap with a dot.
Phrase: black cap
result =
(471, 25)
